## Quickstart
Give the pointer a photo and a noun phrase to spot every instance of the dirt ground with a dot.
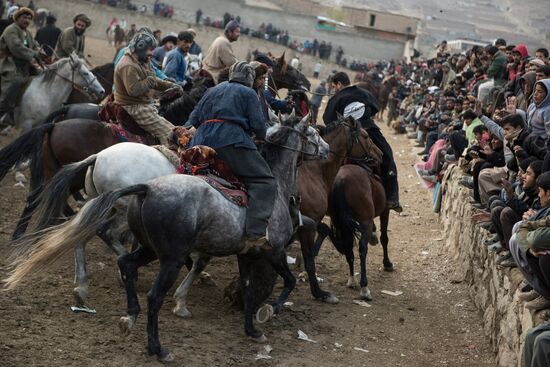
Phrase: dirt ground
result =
(432, 323)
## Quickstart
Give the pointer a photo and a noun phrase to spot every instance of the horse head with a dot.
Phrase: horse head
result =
(81, 77)
(312, 146)
(194, 64)
(362, 148)
(285, 76)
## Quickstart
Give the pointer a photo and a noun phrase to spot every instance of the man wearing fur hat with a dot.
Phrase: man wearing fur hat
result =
(72, 38)
(220, 56)
(17, 51)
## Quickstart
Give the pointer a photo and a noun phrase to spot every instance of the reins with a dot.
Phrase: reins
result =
(304, 139)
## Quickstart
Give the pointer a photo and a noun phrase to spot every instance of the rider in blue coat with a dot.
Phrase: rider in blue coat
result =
(226, 118)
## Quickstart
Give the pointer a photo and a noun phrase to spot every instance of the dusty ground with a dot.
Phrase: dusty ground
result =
(433, 323)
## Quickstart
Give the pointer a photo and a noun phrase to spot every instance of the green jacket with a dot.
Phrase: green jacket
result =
(17, 49)
(68, 42)
(534, 234)
(497, 69)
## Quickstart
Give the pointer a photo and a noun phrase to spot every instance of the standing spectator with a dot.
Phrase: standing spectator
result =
(318, 94)
(166, 45)
(72, 38)
(131, 33)
(220, 55)
(157, 34)
(198, 16)
(119, 36)
(4, 23)
(31, 5)
(47, 36)
(317, 70)
(174, 64)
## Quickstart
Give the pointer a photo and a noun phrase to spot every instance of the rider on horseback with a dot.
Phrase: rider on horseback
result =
(17, 51)
(225, 118)
(350, 100)
(134, 79)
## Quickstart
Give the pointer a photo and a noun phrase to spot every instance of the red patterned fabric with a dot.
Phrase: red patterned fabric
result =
(203, 162)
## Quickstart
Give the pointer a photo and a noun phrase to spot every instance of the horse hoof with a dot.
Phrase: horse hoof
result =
(331, 299)
(365, 294)
(351, 282)
(264, 313)
(262, 339)
(388, 268)
(80, 295)
(126, 324)
(182, 311)
(165, 356)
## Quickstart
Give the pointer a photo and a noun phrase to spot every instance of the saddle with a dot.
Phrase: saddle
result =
(202, 161)
(123, 126)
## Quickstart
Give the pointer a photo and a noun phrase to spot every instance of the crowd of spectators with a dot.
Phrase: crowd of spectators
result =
(487, 111)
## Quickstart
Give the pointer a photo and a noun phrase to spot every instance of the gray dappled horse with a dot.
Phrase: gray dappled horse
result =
(175, 215)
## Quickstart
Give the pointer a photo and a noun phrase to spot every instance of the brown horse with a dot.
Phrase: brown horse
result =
(315, 180)
(357, 197)
(53, 145)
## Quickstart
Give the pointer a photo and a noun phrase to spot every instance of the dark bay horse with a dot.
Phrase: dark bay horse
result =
(53, 145)
(357, 198)
(315, 180)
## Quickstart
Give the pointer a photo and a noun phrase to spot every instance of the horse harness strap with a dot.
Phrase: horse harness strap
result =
(74, 85)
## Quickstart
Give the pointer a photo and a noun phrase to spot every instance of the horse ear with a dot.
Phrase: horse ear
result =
(304, 122)
(281, 59)
(292, 114)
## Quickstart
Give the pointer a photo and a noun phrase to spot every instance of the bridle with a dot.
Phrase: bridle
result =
(305, 142)
(354, 139)
(83, 89)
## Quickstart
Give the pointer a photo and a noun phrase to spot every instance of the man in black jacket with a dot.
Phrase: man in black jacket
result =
(350, 100)
(47, 36)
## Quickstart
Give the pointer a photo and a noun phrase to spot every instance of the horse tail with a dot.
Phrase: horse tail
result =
(54, 196)
(26, 146)
(344, 227)
(36, 251)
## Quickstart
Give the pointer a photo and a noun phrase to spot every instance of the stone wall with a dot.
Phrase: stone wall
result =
(493, 289)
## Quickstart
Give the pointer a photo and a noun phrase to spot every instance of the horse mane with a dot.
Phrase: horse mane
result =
(103, 69)
(327, 129)
(48, 75)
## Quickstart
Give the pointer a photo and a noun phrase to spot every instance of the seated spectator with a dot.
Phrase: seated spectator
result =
(509, 211)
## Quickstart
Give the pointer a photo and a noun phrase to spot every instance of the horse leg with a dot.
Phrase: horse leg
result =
(245, 270)
(280, 265)
(107, 232)
(384, 220)
(350, 258)
(167, 277)
(128, 265)
(366, 232)
(183, 290)
(30, 205)
(306, 237)
(80, 292)
(323, 232)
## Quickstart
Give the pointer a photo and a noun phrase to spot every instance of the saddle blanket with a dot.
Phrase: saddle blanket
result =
(202, 161)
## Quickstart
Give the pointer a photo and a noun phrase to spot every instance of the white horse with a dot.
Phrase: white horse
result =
(48, 91)
(194, 64)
